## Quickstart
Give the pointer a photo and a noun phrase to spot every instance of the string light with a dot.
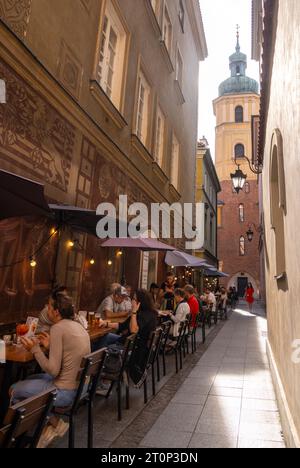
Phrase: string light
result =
(120, 253)
(71, 244)
(33, 263)
(109, 263)
(53, 231)
(92, 261)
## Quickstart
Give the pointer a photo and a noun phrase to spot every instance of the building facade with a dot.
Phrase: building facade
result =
(207, 190)
(100, 100)
(238, 101)
(276, 44)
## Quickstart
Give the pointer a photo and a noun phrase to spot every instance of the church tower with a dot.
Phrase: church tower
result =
(238, 101)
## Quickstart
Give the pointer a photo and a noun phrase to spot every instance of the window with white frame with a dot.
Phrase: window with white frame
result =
(175, 162)
(179, 68)
(110, 69)
(160, 137)
(167, 30)
(143, 108)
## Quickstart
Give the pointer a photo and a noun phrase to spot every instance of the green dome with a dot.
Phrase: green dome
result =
(238, 83)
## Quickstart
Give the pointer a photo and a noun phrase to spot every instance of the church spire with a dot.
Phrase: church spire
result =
(238, 47)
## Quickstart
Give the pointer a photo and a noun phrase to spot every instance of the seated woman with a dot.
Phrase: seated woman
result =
(68, 343)
(142, 322)
(44, 323)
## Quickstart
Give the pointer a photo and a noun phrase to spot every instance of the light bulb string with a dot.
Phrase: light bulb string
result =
(31, 257)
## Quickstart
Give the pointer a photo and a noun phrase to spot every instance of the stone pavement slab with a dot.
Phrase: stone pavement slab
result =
(228, 399)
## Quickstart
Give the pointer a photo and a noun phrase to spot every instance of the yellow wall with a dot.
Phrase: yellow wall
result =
(229, 133)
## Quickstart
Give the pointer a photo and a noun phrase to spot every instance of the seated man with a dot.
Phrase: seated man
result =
(181, 312)
(68, 343)
(44, 323)
(193, 303)
(126, 305)
(211, 300)
(110, 306)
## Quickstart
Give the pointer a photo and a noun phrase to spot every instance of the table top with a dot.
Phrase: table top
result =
(17, 354)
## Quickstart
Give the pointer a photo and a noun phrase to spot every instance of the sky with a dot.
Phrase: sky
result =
(220, 18)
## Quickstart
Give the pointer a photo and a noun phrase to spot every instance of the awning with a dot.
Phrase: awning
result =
(140, 243)
(182, 259)
(78, 219)
(216, 274)
(21, 197)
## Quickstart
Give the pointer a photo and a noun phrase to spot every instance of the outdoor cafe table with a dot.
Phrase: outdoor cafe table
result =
(17, 356)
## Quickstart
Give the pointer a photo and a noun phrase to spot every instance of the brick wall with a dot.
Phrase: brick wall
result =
(232, 229)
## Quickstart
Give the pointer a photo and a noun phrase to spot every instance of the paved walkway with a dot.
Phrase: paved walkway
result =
(228, 400)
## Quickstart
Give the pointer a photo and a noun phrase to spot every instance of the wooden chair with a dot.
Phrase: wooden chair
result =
(28, 417)
(88, 378)
(121, 377)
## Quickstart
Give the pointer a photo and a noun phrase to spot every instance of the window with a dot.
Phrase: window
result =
(160, 137)
(247, 188)
(181, 15)
(220, 216)
(242, 213)
(242, 246)
(175, 162)
(111, 62)
(278, 203)
(179, 68)
(239, 114)
(239, 151)
(143, 109)
(156, 8)
(167, 30)
(211, 233)
(238, 70)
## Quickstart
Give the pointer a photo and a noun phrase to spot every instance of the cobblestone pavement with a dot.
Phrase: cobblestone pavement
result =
(228, 399)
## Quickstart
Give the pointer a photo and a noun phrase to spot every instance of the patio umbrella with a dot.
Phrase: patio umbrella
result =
(140, 243)
(182, 259)
(216, 274)
(21, 197)
(146, 245)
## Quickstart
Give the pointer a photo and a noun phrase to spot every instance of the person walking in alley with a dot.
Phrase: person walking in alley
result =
(249, 296)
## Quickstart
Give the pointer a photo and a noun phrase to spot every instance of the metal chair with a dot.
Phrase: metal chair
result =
(122, 376)
(28, 417)
(88, 378)
(178, 346)
(166, 328)
(154, 346)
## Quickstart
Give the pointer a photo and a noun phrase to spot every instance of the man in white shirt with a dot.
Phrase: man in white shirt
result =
(111, 305)
(181, 312)
(211, 299)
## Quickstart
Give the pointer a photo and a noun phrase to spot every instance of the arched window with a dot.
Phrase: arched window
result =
(242, 246)
(247, 188)
(239, 114)
(239, 151)
(238, 70)
(241, 213)
(278, 202)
